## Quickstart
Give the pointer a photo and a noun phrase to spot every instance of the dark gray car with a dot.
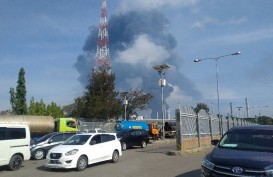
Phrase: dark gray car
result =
(41, 146)
(133, 137)
(243, 151)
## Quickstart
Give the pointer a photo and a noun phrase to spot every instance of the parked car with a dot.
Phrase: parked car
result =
(96, 130)
(242, 151)
(14, 143)
(133, 137)
(40, 147)
(83, 149)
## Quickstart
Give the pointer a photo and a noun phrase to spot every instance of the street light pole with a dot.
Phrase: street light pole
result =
(217, 77)
(162, 83)
(125, 102)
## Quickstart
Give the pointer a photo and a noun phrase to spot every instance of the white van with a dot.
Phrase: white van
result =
(14, 145)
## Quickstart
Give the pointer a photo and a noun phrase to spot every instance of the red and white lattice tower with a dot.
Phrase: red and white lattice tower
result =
(103, 53)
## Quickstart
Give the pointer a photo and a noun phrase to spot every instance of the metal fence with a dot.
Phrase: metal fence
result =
(192, 125)
(85, 126)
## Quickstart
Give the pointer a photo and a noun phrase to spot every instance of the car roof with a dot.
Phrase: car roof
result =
(96, 134)
(252, 127)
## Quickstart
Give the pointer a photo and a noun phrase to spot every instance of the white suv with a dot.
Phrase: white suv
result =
(15, 145)
(81, 150)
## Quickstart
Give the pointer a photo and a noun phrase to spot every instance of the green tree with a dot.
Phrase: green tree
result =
(37, 108)
(18, 98)
(200, 106)
(100, 98)
(264, 120)
(31, 108)
(54, 110)
(77, 108)
(136, 99)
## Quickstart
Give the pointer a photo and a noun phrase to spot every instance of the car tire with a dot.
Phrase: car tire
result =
(15, 162)
(82, 163)
(143, 144)
(39, 154)
(115, 156)
(123, 146)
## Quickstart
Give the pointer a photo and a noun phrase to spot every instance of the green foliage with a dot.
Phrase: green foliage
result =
(18, 98)
(37, 108)
(200, 106)
(264, 120)
(54, 110)
(137, 100)
(40, 109)
(101, 101)
(100, 98)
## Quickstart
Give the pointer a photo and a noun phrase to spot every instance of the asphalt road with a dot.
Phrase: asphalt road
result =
(152, 161)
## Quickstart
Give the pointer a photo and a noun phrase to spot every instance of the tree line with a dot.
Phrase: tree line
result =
(100, 100)
(19, 103)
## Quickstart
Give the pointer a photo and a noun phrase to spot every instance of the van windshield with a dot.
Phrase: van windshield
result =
(253, 140)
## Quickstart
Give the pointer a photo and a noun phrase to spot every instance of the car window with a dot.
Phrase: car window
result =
(45, 137)
(77, 140)
(57, 138)
(106, 138)
(67, 135)
(16, 133)
(248, 140)
(96, 140)
(3, 133)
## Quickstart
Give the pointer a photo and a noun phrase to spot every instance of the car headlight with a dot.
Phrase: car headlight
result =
(269, 173)
(206, 163)
(72, 152)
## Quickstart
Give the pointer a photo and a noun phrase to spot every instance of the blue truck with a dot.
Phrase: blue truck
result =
(150, 128)
(125, 125)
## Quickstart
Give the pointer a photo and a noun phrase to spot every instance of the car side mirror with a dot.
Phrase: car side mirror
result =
(214, 142)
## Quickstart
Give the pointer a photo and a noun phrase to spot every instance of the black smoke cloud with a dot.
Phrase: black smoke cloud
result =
(124, 29)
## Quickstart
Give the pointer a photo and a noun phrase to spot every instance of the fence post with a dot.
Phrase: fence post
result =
(210, 127)
(179, 135)
(228, 123)
(198, 129)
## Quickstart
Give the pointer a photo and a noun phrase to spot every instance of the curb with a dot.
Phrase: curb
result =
(196, 151)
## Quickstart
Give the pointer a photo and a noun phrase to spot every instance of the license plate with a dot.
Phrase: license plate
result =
(54, 161)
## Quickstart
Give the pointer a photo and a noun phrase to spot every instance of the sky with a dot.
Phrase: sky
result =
(55, 42)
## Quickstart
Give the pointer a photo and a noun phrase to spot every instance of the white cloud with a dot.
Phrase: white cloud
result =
(243, 37)
(143, 52)
(134, 83)
(127, 5)
(177, 97)
(214, 21)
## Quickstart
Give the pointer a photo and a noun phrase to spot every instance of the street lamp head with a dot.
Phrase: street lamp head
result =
(160, 68)
(196, 60)
(236, 53)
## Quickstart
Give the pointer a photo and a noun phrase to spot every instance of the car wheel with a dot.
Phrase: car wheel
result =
(123, 146)
(15, 162)
(143, 144)
(115, 156)
(39, 154)
(82, 163)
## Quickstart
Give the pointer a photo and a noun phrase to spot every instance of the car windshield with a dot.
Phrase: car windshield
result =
(252, 140)
(77, 140)
(45, 137)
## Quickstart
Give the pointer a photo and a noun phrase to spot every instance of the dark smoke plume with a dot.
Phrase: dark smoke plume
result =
(125, 32)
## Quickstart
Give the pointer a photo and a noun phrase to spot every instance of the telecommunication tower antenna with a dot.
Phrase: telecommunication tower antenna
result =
(103, 52)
